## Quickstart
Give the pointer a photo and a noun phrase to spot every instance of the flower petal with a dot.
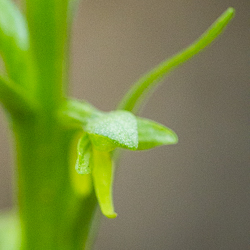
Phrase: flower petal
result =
(102, 171)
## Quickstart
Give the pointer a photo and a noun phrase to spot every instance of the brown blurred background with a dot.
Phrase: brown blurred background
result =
(194, 195)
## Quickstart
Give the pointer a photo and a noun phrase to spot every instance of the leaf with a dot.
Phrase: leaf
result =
(152, 134)
(114, 129)
(83, 155)
(14, 40)
(102, 171)
(134, 98)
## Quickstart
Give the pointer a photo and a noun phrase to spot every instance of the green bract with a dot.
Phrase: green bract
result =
(138, 93)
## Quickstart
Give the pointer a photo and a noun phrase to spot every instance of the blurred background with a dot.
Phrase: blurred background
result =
(194, 195)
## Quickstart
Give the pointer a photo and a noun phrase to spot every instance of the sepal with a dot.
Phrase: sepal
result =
(152, 134)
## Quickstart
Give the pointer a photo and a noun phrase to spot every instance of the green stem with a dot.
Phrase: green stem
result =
(48, 25)
(43, 183)
(53, 216)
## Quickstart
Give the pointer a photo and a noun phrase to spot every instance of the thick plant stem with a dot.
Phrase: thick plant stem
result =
(52, 215)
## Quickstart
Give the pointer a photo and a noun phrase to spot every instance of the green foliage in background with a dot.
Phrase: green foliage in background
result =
(65, 148)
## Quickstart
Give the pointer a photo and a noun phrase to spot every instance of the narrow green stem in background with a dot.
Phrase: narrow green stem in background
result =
(135, 96)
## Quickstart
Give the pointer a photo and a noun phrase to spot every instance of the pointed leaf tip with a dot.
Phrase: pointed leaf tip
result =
(152, 134)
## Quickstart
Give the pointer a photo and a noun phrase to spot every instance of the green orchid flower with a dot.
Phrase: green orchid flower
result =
(105, 132)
